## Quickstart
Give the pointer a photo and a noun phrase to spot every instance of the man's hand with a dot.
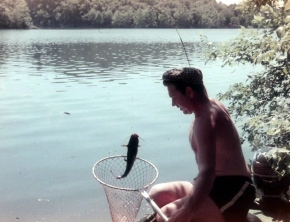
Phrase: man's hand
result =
(182, 215)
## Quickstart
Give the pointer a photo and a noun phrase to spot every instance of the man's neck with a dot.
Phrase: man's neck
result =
(201, 105)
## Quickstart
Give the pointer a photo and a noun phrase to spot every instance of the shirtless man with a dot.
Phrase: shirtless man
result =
(222, 190)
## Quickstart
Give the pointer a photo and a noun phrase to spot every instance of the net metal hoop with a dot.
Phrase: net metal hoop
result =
(122, 188)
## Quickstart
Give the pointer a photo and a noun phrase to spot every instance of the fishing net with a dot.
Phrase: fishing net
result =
(123, 195)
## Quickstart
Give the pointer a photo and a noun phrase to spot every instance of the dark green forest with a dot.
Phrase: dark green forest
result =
(18, 14)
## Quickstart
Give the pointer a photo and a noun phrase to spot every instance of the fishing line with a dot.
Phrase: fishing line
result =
(172, 19)
(183, 48)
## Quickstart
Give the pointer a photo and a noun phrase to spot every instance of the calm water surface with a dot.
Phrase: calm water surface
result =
(71, 97)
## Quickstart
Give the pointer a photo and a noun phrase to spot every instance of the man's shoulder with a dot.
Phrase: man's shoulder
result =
(217, 103)
(219, 108)
(212, 112)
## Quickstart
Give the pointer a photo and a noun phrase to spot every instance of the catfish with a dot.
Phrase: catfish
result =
(131, 154)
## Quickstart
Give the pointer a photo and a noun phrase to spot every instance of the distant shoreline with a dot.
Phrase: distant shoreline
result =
(56, 28)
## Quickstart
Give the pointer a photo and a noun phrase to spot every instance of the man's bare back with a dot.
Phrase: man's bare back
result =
(229, 156)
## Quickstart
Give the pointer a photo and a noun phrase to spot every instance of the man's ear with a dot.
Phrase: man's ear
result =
(189, 92)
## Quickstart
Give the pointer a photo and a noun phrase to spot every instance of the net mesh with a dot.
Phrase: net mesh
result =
(123, 195)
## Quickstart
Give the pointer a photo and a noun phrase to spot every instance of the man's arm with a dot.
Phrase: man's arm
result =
(204, 133)
(204, 136)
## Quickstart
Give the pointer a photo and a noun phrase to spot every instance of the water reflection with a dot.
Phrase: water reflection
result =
(114, 61)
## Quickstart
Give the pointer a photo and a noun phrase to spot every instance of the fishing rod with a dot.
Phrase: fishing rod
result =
(172, 19)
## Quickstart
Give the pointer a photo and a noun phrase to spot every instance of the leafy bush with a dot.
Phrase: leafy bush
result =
(262, 103)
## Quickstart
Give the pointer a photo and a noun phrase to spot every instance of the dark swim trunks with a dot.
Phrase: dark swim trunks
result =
(233, 195)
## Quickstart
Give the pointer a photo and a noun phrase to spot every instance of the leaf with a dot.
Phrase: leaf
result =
(287, 19)
(280, 31)
(267, 9)
(258, 18)
(271, 132)
(287, 6)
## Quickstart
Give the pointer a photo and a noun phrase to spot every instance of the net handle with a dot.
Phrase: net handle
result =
(120, 188)
(153, 205)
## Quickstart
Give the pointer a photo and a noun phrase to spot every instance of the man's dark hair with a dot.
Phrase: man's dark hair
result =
(181, 86)
(185, 77)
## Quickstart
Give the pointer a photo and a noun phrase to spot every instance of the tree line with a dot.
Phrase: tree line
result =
(119, 14)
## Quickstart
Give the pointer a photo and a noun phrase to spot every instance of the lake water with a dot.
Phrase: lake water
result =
(69, 98)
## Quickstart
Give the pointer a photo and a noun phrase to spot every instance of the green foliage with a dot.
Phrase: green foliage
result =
(165, 19)
(122, 19)
(278, 160)
(69, 13)
(248, 10)
(262, 103)
(94, 17)
(126, 13)
(183, 17)
(14, 14)
(42, 12)
(145, 18)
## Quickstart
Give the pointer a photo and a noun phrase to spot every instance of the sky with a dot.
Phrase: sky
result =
(228, 2)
